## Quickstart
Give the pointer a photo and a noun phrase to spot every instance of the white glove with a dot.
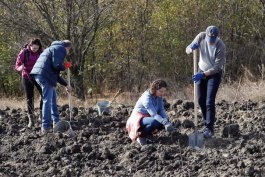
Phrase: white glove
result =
(161, 120)
(188, 50)
(20, 68)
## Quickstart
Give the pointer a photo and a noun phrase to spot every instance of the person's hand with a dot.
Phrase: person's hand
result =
(192, 47)
(67, 64)
(69, 89)
(169, 128)
(188, 50)
(20, 68)
(161, 120)
(197, 77)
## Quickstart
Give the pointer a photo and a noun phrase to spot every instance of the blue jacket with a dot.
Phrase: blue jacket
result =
(148, 104)
(50, 63)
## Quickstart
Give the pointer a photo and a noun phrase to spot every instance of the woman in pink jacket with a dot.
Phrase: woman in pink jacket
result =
(25, 62)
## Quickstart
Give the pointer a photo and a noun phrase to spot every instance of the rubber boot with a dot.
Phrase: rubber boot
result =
(31, 120)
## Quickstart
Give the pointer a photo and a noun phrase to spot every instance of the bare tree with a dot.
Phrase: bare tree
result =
(76, 20)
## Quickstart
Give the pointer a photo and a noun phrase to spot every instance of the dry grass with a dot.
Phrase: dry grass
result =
(242, 91)
(231, 92)
(12, 103)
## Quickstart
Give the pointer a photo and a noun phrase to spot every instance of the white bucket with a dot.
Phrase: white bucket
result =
(103, 106)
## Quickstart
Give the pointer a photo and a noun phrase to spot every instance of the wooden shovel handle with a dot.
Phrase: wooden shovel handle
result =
(195, 64)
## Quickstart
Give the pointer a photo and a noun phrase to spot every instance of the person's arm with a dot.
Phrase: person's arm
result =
(195, 43)
(148, 104)
(163, 117)
(58, 56)
(64, 83)
(61, 81)
(219, 60)
(20, 60)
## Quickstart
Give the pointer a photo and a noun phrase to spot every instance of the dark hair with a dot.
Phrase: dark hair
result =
(156, 85)
(35, 41)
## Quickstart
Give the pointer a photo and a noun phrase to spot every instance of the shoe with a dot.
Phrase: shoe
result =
(207, 133)
(31, 120)
(141, 141)
(54, 125)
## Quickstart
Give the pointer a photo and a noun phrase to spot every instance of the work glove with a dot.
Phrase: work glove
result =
(197, 77)
(192, 47)
(161, 120)
(67, 64)
(169, 128)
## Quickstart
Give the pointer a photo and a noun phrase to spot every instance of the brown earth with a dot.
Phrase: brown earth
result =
(102, 146)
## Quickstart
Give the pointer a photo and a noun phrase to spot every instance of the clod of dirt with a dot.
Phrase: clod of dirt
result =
(175, 103)
(187, 123)
(86, 148)
(231, 131)
(166, 104)
(187, 105)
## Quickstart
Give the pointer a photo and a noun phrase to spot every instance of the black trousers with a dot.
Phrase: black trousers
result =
(29, 85)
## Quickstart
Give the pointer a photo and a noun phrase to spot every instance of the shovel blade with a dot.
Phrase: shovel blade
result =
(196, 140)
(65, 128)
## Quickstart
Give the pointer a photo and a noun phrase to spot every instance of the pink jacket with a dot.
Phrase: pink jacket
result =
(133, 124)
(29, 64)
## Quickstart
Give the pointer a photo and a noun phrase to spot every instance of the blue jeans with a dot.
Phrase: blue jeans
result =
(49, 108)
(207, 90)
(148, 125)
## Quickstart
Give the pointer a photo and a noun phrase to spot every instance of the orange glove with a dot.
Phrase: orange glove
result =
(67, 64)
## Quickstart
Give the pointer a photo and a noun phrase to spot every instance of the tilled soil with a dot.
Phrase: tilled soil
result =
(102, 146)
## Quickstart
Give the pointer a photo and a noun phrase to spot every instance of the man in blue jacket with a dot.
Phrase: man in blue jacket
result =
(46, 72)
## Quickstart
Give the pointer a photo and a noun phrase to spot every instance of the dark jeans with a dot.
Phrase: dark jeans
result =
(207, 90)
(28, 85)
(148, 125)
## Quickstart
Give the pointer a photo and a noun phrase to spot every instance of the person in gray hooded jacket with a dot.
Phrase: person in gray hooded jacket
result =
(46, 72)
(208, 78)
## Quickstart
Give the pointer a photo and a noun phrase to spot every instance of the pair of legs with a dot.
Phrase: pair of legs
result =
(149, 125)
(207, 90)
(29, 85)
(49, 108)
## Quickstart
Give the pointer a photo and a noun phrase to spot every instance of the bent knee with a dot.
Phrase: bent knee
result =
(156, 124)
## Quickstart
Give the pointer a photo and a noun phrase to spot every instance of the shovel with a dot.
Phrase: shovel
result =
(196, 139)
(65, 126)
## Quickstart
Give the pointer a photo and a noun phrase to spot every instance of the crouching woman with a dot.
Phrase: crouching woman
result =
(149, 115)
